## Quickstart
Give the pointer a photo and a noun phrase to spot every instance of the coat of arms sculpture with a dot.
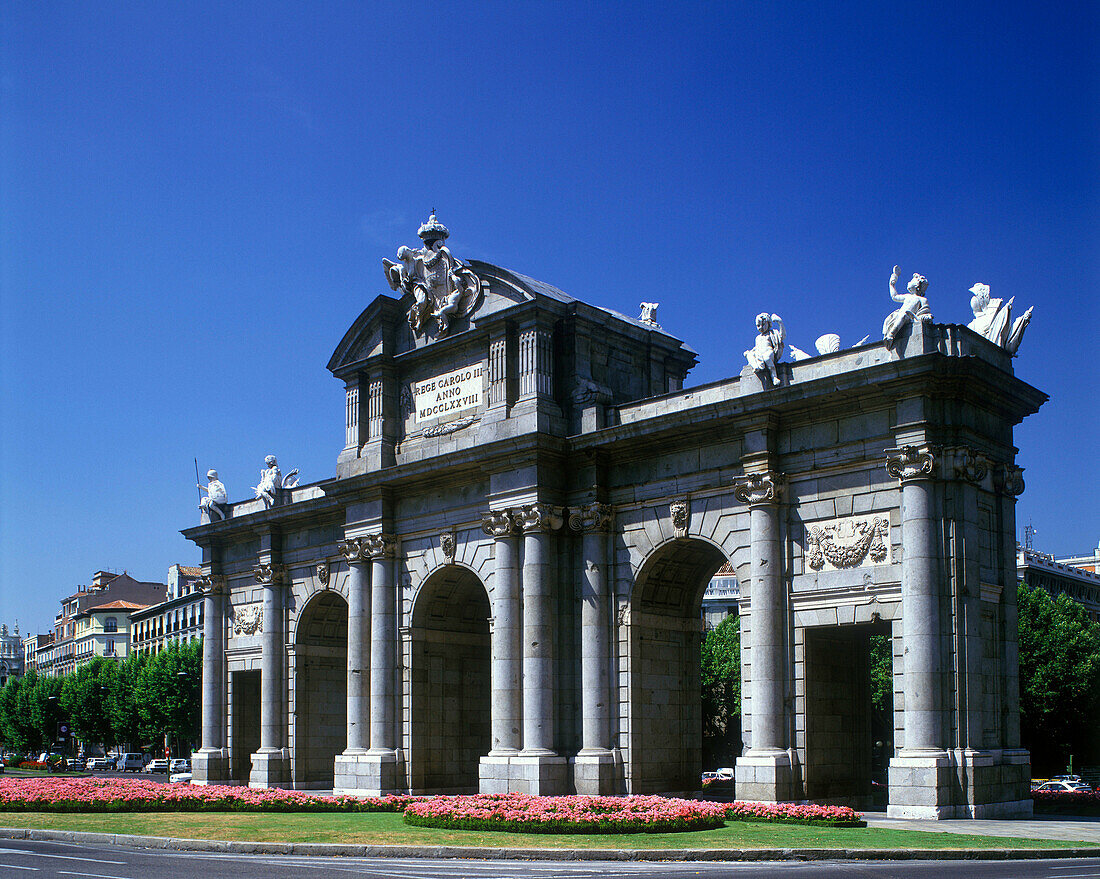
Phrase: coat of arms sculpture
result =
(443, 288)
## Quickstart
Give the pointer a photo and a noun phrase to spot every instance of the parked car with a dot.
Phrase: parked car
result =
(73, 764)
(97, 764)
(1, 765)
(1064, 787)
(130, 763)
(158, 765)
(180, 778)
(180, 764)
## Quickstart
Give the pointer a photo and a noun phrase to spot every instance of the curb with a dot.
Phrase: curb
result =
(322, 849)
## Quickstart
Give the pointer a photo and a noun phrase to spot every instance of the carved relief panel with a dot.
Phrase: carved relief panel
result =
(851, 542)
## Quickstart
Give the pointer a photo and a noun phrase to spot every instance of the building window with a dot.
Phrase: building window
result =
(109, 650)
(110, 624)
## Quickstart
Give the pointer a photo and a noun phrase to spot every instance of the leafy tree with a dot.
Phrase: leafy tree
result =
(167, 691)
(1059, 678)
(44, 711)
(882, 673)
(85, 697)
(721, 697)
(121, 706)
(15, 727)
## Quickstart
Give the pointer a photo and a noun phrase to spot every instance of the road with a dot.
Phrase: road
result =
(46, 860)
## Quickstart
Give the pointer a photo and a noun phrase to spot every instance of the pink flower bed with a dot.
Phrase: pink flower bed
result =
(90, 794)
(576, 814)
(795, 813)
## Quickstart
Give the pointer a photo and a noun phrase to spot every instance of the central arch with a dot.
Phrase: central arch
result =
(666, 726)
(320, 689)
(450, 711)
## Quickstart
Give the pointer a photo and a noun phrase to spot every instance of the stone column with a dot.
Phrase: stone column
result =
(369, 765)
(271, 764)
(383, 645)
(764, 772)
(359, 607)
(210, 765)
(920, 773)
(507, 656)
(544, 770)
(594, 766)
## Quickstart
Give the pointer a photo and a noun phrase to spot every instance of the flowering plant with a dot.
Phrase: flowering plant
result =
(572, 814)
(90, 794)
(795, 813)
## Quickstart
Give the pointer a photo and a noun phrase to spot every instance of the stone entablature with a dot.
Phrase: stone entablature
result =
(535, 575)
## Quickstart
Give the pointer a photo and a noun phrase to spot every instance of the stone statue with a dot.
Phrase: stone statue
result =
(216, 499)
(914, 306)
(765, 354)
(442, 287)
(649, 313)
(272, 479)
(993, 319)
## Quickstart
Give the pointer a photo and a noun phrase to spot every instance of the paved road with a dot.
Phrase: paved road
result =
(46, 860)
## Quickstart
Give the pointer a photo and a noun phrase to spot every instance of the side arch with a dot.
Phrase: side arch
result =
(320, 688)
(449, 682)
(665, 636)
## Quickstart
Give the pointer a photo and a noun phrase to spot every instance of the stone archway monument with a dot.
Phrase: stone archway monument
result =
(523, 518)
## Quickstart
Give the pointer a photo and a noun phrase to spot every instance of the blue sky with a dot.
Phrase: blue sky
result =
(195, 199)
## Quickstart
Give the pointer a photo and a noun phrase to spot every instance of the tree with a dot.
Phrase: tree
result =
(44, 711)
(1059, 678)
(121, 707)
(167, 691)
(15, 727)
(85, 697)
(721, 697)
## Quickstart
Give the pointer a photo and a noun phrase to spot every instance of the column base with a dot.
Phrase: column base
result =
(537, 775)
(210, 766)
(369, 774)
(597, 773)
(962, 783)
(270, 768)
(766, 777)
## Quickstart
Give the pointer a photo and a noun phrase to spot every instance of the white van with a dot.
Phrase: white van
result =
(130, 763)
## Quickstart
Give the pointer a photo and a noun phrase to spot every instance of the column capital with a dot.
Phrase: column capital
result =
(1008, 479)
(910, 463)
(967, 465)
(591, 517)
(498, 523)
(540, 517)
(270, 574)
(211, 584)
(354, 550)
(379, 546)
(757, 489)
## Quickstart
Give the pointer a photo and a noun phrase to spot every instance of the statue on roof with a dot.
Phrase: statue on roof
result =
(214, 504)
(914, 306)
(993, 319)
(766, 352)
(272, 480)
(442, 287)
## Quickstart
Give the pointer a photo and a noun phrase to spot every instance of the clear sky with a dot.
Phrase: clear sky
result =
(195, 199)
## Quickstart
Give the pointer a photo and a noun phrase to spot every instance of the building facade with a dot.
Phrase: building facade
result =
(60, 657)
(104, 630)
(179, 618)
(12, 664)
(1058, 578)
(502, 587)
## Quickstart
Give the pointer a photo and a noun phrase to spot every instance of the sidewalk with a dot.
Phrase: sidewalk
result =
(1068, 828)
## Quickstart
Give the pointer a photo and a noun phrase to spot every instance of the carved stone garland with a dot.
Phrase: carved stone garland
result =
(869, 541)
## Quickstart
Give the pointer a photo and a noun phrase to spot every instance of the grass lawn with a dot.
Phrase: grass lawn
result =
(388, 828)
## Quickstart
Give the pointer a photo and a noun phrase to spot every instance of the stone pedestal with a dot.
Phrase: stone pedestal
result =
(270, 768)
(764, 776)
(921, 785)
(210, 766)
(596, 773)
(539, 775)
(369, 775)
